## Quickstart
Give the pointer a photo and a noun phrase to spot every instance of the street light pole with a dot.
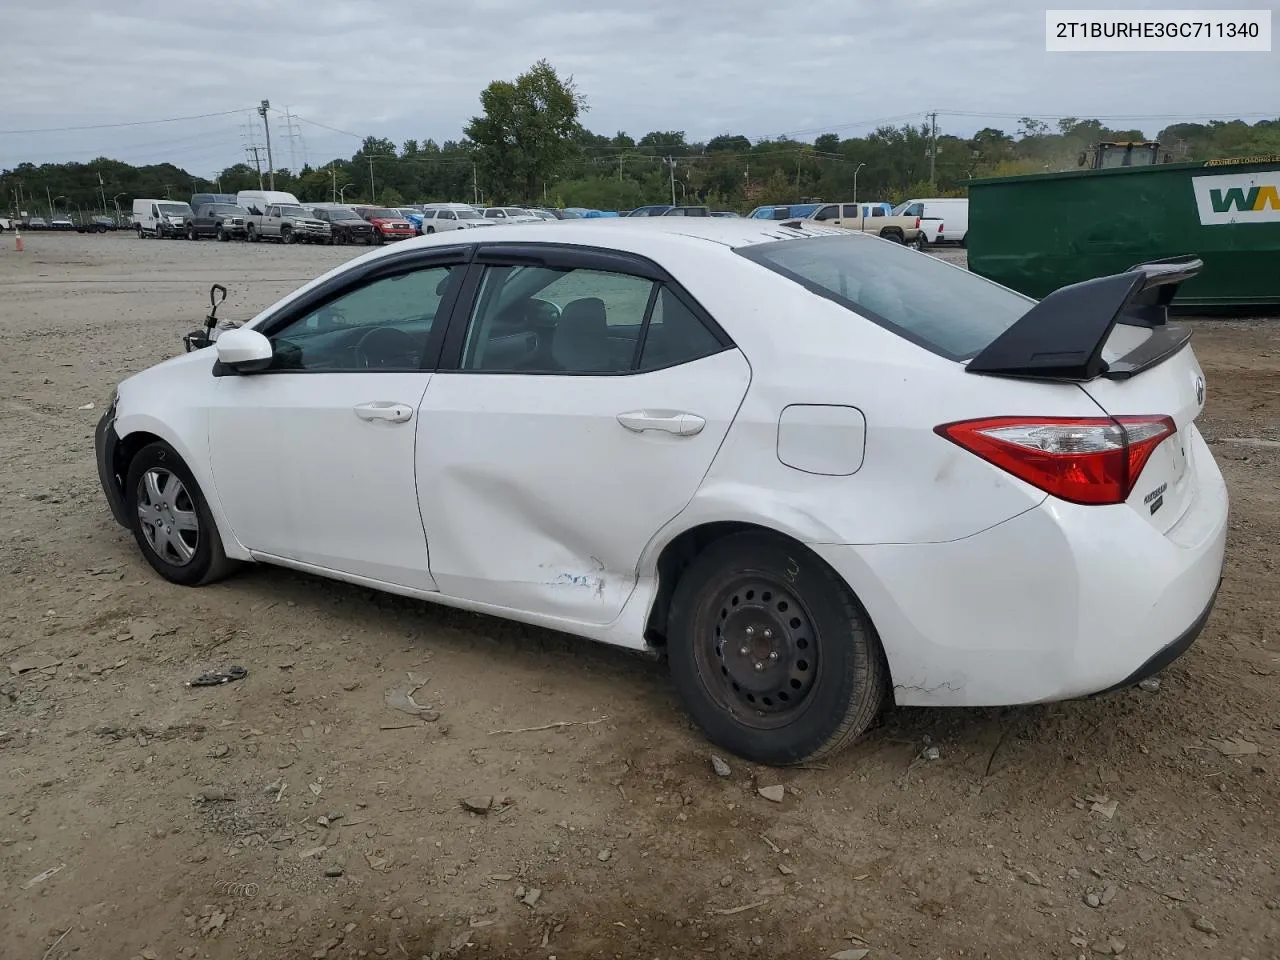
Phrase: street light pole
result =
(342, 194)
(855, 181)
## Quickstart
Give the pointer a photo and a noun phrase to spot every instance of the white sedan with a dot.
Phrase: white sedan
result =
(816, 469)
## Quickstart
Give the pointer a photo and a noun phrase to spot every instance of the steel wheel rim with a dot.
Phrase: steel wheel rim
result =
(167, 516)
(772, 683)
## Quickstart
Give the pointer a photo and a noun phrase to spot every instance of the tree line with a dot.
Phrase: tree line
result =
(529, 145)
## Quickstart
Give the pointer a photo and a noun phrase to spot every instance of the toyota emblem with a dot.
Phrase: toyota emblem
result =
(1200, 390)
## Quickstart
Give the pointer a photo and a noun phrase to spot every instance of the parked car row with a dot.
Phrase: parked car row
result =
(256, 215)
(919, 222)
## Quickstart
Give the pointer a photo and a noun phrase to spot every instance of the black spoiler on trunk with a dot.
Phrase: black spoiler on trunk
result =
(1062, 336)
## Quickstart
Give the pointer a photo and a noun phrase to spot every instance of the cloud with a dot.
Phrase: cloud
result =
(404, 68)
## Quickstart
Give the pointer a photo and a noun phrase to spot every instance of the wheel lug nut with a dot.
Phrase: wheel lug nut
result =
(759, 666)
(751, 631)
(743, 650)
(773, 655)
(768, 634)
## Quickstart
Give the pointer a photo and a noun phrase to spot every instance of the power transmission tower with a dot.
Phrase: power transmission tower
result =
(933, 147)
(255, 150)
(297, 143)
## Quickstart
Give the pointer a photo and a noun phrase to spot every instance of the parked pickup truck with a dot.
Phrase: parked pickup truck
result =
(221, 220)
(868, 218)
(288, 223)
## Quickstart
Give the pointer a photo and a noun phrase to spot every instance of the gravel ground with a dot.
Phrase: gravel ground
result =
(297, 814)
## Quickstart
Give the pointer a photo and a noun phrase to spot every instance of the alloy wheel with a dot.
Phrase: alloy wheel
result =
(168, 517)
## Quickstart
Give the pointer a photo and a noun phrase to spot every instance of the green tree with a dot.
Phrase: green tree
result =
(526, 133)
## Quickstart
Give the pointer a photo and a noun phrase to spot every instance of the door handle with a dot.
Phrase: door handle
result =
(388, 410)
(668, 421)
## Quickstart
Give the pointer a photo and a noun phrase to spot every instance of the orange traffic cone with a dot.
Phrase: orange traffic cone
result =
(17, 238)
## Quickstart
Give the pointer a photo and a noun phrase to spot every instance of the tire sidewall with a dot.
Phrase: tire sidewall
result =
(208, 548)
(843, 644)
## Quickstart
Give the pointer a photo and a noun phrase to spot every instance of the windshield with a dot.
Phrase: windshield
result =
(409, 212)
(230, 208)
(516, 211)
(931, 303)
(382, 213)
(343, 215)
(900, 209)
(289, 210)
(175, 209)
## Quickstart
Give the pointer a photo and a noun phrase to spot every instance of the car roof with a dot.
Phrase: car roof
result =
(638, 235)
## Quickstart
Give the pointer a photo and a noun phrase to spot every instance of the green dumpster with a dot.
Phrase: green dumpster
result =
(1039, 232)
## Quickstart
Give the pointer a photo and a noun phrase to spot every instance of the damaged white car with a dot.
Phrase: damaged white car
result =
(818, 470)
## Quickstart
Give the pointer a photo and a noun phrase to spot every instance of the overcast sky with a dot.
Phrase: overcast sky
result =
(412, 68)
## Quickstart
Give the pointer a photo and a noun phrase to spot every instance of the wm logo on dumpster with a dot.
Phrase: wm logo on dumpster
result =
(1238, 198)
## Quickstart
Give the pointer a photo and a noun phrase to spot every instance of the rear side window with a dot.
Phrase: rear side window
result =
(946, 310)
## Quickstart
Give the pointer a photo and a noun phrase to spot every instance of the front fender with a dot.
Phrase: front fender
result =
(185, 427)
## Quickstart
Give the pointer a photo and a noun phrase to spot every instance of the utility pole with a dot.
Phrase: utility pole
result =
(798, 156)
(475, 185)
(373, 195)
(933, 147)
(48, 195)
(257, 163)
(334, 174)
(271, 167)
(672, 164)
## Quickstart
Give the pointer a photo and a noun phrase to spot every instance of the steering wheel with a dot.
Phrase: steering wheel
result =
(384, 343)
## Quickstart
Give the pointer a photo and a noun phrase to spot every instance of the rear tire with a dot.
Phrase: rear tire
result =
(170, 519)
(892, 235)
(814, 676)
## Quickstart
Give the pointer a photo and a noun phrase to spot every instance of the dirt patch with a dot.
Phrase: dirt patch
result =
(295, 813)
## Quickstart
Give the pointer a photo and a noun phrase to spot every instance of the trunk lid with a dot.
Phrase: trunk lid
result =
(1174, 388)
(1111, 336)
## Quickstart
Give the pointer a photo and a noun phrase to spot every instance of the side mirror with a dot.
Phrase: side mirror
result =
(243, 350)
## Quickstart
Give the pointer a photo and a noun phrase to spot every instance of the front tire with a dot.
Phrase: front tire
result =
(170, 518)
(251, 234)
(191, 232)
(431, 229)
(141, 235)
(286, 234)
(813, 676)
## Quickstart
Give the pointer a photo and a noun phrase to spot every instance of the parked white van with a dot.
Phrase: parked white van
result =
(261, 199)
(160, 218)
(953, 212)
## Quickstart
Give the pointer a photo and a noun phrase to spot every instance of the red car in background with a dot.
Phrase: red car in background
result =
(387, 224)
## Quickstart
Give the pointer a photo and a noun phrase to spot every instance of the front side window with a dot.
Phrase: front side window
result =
(829, 212)
(447, 215)
(381, 325)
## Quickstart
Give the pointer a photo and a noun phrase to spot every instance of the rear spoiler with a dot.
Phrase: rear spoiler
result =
(1062, 336)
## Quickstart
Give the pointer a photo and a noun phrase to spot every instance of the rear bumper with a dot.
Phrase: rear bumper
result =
(1062, 601)
(106, 444)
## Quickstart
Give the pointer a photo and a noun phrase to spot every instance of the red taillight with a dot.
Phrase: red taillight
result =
(917, 223)
(1090, 460)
